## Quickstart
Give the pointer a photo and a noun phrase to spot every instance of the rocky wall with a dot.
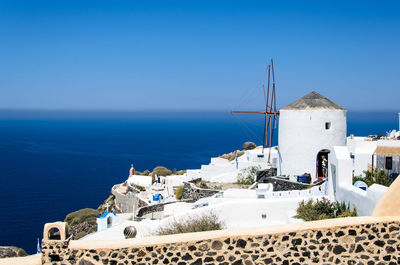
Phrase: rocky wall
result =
(155, 208)
(283, 185)
(151, 209)
(352, 241)
(191, 192)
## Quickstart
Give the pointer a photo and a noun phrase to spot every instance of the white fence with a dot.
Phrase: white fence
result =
(320, 190)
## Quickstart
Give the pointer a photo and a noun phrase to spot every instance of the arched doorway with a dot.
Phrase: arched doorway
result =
(54, 234)
(322, 164)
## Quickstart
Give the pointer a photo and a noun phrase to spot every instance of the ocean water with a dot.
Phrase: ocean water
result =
(53, 163)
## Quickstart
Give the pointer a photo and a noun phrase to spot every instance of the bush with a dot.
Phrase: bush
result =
(247, 176)
(146, 172)
(180, 172)
(323, 209)
(202, 184)
(83, 215)
(161, 171)
(140, 188)
(378, 176)
(205, 222)
(179, 192)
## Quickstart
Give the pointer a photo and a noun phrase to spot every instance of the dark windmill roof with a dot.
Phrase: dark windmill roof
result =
(312, 101)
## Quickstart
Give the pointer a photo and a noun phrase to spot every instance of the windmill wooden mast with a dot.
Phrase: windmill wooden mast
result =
(270, 111)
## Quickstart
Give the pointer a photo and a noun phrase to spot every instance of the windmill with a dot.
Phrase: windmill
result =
(270, 112)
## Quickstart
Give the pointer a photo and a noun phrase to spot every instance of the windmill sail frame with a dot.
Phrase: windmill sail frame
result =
(270, 112)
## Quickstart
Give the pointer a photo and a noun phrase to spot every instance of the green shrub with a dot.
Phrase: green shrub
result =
(83, 215)
(140, 188)
(146, 172)
(323, 209)
(138, 172)
(161, 171)
(180, 172)
(179, 192)
(206, 222)
(378, 176)
(247, 176)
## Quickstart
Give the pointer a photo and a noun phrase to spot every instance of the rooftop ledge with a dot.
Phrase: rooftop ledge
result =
(259, 231)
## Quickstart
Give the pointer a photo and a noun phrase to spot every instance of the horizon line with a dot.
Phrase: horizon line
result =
(157, 110)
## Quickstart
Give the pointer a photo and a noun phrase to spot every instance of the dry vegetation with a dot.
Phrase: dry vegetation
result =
(230, 156)
(206, 222)
(179, 192)
(160, 171)
(219, 185)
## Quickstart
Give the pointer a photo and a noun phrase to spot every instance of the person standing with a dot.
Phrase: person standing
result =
(324, 164)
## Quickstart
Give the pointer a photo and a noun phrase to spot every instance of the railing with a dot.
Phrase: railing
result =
(320, 190)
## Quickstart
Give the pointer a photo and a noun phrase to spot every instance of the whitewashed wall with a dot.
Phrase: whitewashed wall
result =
(341, 173)
(302, 135)
(248, 212)
(222, 170)
(364, 201)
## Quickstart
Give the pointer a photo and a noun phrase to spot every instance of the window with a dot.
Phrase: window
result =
(389, 161)
(327, 125)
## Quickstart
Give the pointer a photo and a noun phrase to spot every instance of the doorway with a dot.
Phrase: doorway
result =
(322, 164)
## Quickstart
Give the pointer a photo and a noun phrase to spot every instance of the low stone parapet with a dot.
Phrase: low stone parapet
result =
(355, 240)
(285, 185)
(193, 193)
(159, 207)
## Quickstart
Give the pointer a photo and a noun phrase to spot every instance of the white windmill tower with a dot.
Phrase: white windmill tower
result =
(308, 130)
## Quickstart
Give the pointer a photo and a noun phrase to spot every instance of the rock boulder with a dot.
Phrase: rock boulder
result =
(249, 146)
(10, 252)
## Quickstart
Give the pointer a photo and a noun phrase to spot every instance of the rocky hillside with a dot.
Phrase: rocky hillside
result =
(82, 222)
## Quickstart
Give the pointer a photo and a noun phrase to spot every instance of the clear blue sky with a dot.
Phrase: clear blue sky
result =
(129, 55)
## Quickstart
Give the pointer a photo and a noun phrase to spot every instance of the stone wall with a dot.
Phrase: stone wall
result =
(155, 208)
(125, 202)
(359, 240)
(191, 192)
(57, 252)
(282, 185)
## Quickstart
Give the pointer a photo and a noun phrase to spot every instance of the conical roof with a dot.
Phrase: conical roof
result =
(313, 101)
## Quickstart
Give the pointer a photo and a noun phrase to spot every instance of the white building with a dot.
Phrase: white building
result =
(223, 170)
(308, 130)
(361, 154)
(368, 153)
(106, 220)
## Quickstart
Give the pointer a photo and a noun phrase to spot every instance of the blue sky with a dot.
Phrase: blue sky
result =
(200, 55)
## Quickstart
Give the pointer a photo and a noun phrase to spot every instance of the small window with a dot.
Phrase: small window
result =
(264, 216)
(327, 125)
(389, 161)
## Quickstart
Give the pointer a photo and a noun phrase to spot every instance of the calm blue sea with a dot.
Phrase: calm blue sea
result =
(53, 163)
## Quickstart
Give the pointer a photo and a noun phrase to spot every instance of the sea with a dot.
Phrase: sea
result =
(56, 162)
